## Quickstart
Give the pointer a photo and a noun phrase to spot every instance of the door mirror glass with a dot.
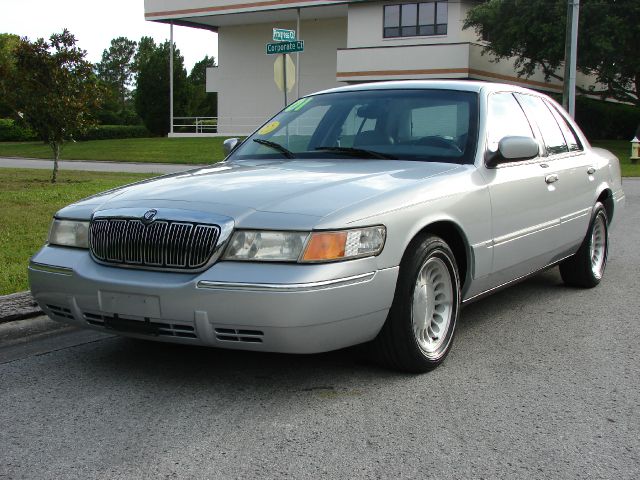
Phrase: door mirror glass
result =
(229, 144)
(511, 149)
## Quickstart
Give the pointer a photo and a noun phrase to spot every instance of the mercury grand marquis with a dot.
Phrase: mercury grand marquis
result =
(366, 213)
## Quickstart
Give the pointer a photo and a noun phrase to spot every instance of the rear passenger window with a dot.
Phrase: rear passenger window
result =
(506, 119)
(537, 110)
(567, 131)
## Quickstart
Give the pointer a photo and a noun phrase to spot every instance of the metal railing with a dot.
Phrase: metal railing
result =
(195, 124)
(209, 125)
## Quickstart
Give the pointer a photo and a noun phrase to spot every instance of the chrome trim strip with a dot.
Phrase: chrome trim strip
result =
(287, 287)
(576, 215)
(526, 231)
(41, 267)
(492, 290)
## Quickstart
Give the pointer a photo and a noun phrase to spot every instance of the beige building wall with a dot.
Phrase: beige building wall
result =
(248, 94)
(366, 22)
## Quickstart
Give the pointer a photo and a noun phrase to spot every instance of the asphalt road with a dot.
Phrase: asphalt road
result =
(94, 166)
(543, 382)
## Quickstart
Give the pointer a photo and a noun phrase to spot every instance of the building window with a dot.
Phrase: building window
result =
(412, 19)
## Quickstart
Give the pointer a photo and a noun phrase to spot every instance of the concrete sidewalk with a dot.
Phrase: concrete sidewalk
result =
(94, 166)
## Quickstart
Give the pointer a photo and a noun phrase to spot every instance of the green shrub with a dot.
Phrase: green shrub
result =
(606, 120)
(111, 132)
(10, 131)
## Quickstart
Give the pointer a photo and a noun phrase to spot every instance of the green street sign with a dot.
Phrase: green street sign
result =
(284, 35)
(285, 47)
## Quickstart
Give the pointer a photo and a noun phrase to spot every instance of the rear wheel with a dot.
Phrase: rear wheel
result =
(586, 268)
(419, 330)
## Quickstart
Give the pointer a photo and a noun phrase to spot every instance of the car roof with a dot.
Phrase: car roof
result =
(463, 85)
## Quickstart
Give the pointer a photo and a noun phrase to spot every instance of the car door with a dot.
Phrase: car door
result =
(524, 199)
(569, 168)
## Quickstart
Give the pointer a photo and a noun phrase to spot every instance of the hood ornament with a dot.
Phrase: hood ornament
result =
(149, 216)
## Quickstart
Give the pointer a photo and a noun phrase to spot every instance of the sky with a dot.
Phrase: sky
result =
(94, 24)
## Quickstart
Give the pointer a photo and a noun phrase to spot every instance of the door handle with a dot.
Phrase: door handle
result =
(591, 171)
(551, 178)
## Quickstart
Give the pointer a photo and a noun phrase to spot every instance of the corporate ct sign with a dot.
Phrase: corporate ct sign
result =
(286, 42)
(285, 47)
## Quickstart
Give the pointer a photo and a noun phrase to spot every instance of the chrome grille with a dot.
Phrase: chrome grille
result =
(160, 244)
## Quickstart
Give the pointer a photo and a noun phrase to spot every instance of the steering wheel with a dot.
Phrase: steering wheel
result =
(441, 142)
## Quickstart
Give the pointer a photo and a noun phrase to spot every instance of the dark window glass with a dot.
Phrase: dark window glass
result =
(427, 13)
(506, 119)
(409, 14)
(391, 32)
(409, 31)
(536, 109)
(572, 139)
(443, 12)
(410, 19)
(427, 30)
(392, 16)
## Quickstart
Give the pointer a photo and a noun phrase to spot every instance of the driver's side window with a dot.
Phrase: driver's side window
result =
(506, 119)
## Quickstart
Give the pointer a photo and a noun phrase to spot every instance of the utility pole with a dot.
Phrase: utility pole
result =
(570, 57)
(171, 79)
(298, 37)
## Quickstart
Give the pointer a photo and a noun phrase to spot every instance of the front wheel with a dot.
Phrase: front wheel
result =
(586, 267)
(419, 330)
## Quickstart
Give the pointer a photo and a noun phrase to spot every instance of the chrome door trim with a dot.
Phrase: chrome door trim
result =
(502, 286)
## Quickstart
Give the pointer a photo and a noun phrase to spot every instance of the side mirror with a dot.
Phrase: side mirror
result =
(229, 145)
(511, 149)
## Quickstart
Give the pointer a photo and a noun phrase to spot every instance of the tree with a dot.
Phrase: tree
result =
(8, 46)
(146, 46)
(534, 33)
(55, 90)
(152, 87)
(201, 103)
(116, 68)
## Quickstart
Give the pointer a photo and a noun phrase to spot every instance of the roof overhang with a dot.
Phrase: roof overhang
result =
(163, 10)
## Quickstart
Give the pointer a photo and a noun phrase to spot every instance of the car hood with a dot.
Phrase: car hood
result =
(309, 188)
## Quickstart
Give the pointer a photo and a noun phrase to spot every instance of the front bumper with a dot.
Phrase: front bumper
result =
(250, 306)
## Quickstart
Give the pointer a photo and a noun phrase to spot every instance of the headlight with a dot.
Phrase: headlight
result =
(266, 246)
(304, 247)
(69, 233)
(344, 244)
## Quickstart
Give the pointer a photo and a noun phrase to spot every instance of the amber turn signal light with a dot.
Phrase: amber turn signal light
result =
(325, 246)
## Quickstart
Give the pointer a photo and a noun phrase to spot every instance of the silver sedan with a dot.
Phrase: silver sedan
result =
(367, 213)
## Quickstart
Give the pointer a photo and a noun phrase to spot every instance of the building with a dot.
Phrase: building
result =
(345, 42)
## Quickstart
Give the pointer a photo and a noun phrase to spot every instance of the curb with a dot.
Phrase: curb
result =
(18, 306)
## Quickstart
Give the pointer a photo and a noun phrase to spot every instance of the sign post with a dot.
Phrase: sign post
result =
(285, 43)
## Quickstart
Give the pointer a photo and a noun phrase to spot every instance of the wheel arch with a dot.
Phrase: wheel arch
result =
(454, 236)
(606, 198)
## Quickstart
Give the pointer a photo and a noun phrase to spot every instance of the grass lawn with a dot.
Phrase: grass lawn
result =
(622, 150)
(154, 150)
(28, 202)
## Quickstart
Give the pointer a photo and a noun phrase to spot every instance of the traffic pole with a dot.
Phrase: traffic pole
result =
(570, 57)
(284, 77)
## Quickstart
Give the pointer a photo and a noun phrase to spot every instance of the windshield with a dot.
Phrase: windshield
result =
(424, 125)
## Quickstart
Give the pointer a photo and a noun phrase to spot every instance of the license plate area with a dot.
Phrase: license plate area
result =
(126, 325)
(129, 304)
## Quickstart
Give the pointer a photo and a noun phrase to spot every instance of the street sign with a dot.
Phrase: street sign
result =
(283, 35)
(285, 47)
(282, 76)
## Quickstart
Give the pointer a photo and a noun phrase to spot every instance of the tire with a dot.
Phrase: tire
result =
(419, 330)
(586, 267)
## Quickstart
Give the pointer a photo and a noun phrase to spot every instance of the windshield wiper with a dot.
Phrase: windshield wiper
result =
(358, 152)
(276, 146)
